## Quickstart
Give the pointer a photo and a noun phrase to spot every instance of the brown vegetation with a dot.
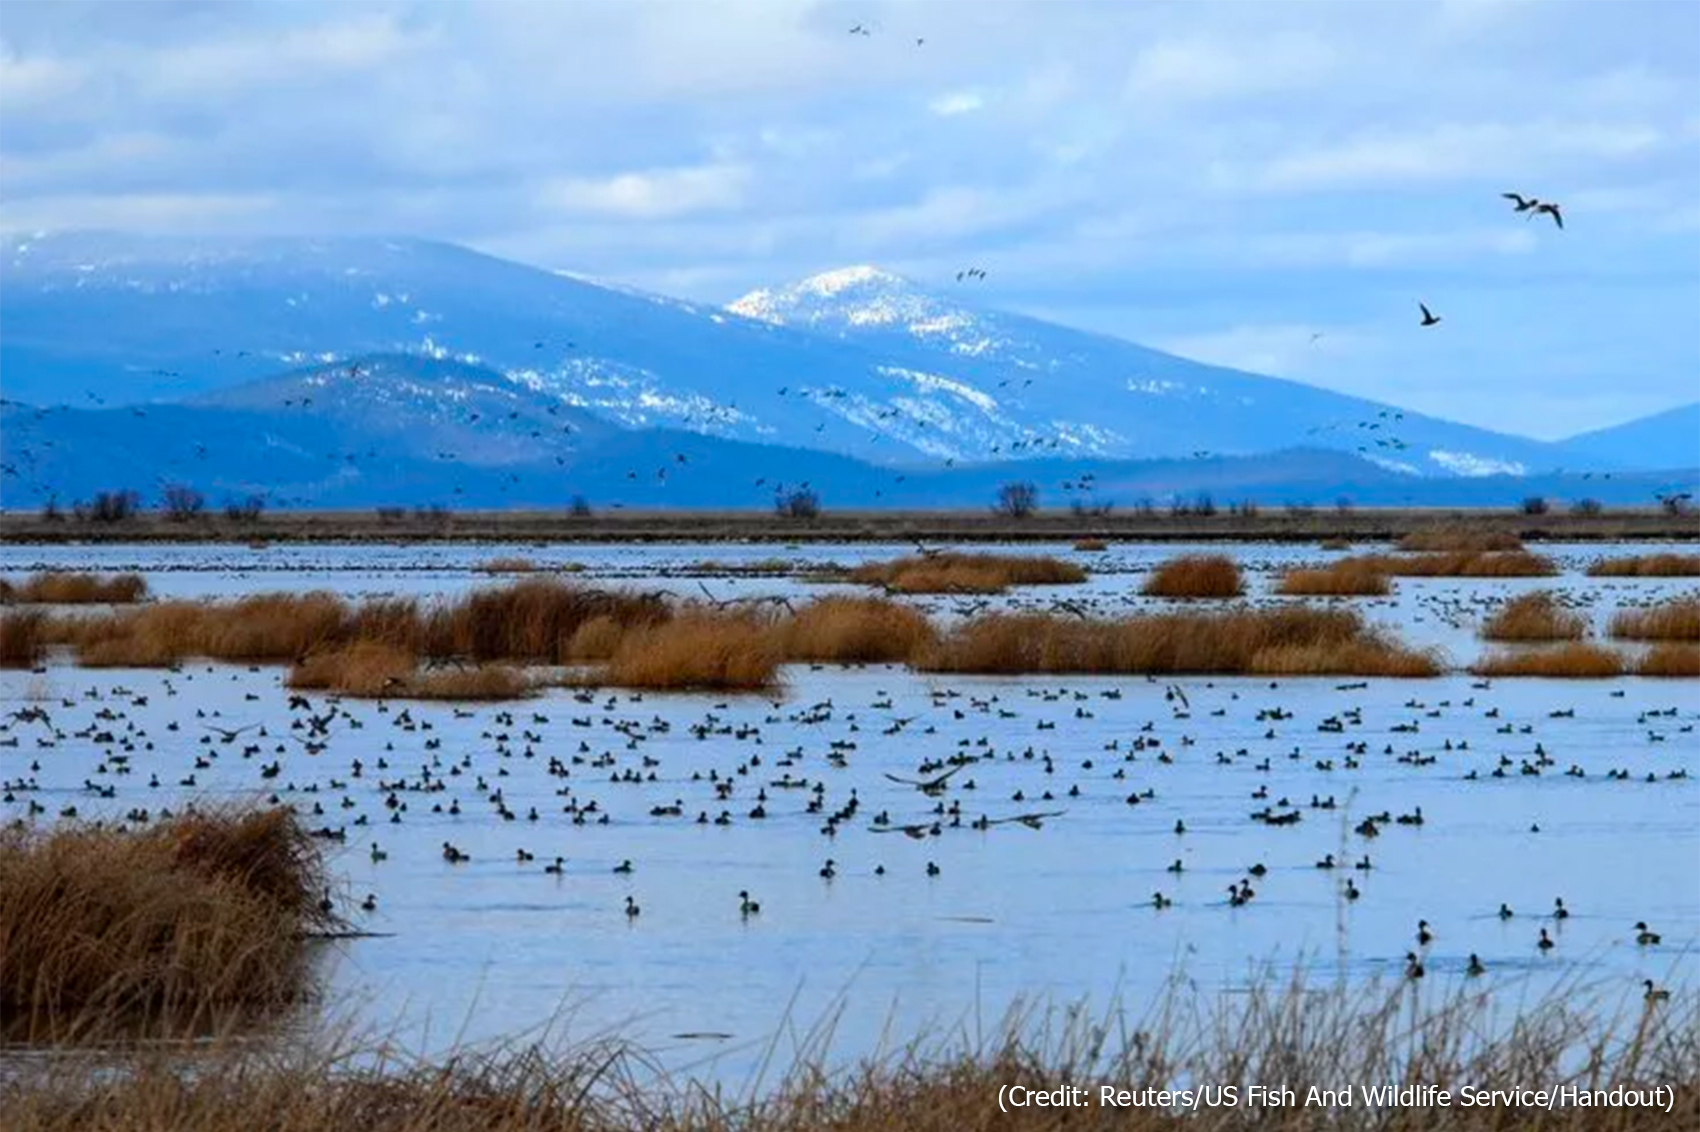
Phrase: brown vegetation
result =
(1295, 640)
(851, 630)
(374, 669)
(106, 929)
(1675, 620)
(508, 566)
(1349, 577)
(1534, 617)
(1091, 545)
(1670, 659)
(696, 651)
(532, 621)
(1465, 539)
(23, 637)
(1575, 661)
(60, 587)
(1291, 1036)
(956, 573)
(1195, 575)
(1648, 566)
(1461, 564)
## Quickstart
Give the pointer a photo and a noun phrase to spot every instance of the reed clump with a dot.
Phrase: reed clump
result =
(1460, 539)
(23, 637)
(1647, 566)
(106, 929)
(63, 587)
(1291, 1037)
(1091, 545)
(1195, 575)
(1670, 659)
(1535, 617)
(957, 573)
(1296, 640)
(855, 630)
(1675, 620)
(1577, 661)
(698, 651)
(1349, 577)
(508, 566)
(533, 620)
(373, 669)
(1462, 564)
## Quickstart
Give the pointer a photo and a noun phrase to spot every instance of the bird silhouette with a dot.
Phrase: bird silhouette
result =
(1429, 317)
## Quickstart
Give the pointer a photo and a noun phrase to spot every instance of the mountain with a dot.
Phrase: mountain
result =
(854, 362)
(1670, 439)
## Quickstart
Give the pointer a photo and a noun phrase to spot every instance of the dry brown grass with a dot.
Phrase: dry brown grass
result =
(1349, 577)
(1573, 661)
(851, 630)
(596, 639)
(508, 566)
(1648, 566)
(1286, 1036)
(23, 637)
(1091, 545)
(373, 669)
(1195, 575)
(1534, 617)
(1460, 539)
(1670, 659)
(1675, 620)
(956, 573)
(1297, 639)
(697, 651)
(1335, 544)
(1461, 564)
(532, 621)
(59, 587)
(106, 929)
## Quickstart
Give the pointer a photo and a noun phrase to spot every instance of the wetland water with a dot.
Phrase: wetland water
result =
(493, 946)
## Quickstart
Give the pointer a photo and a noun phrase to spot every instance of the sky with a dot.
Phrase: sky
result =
(1224, 180)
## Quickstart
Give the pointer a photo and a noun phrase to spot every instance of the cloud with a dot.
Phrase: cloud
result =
(649, 195)
(1202, 69)
(957, 102)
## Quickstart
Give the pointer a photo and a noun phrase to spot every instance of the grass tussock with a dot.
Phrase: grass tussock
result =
(1675, 620)
(508, 566)
(105, 929)
(956, 573)
(696, 651)
(62, 587)
(1461, 564)
(1296, 640)
(1648, 566)
(1464, 539)
(852, 630)
(1577, 661)
(23, 637)
(533, 621)
(1349, 577)
(1534, 617)
(1288, 1036)
(1670, 659)
(1091, 545)
(1195, 575)
(372, 669)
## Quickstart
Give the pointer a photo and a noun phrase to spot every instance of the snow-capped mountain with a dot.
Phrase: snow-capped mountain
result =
(855, 362)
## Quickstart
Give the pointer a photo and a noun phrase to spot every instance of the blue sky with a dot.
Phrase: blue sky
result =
(1225, 180)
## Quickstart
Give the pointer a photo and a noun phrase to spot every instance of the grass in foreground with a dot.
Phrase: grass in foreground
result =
(1648, 566)
(849, 630)
(105, 930)
(1349, 577)
(1195, 575)
(956, 573)
(23, 637)
(1276, 1035)
(1295, 640)
(720, 652)
(1534, 617)
(62, 587)
(1573, 661)
(1674, 620)
(1670, 659)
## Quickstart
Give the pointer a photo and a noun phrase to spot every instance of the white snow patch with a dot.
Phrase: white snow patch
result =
(980, 400)
(1469, 464)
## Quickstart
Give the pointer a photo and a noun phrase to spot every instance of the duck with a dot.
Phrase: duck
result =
(1352, 892)
(624, 868)
(1326, 862)
(1545, 942)
(1159, 901)
(746, 906)
(370, 904)
(1559, 911)
(932, 869)
(829, 870)
(557, 868)
(1475, 968)
(1505, 912)
(632, 910)
(1413, 966)
(1655, 993)
(1424, 936)
(378, 854)
(1645, 936)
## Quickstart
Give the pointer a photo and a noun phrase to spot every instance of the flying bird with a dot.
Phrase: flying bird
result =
(1551, 210)
(1429, 317)
(1524, 204)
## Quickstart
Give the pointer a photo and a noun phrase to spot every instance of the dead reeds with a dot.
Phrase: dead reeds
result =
(1195, 575)
(1460, 539)
(1670, 659)
(104, 929)
(1534, 617)
(957, 573)
(1647, 566)
(1295, 640)
(23, 637)
(850, 630)
(1091, 545)
(1576, 661)
(698, 651)
(1349, 577)
(1675, 620)
(60, 587)
(1461, 564)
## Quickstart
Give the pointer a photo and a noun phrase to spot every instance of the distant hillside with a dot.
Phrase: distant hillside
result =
(1670, 439)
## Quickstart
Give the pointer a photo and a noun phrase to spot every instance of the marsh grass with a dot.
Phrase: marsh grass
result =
(1195, 575)
(1675, 620)
(1577, 660)
(1296, 640)
(508, 566)
(373, 669)
(853, 630)
(61, 587)
(24, 637)
(1534, 617)
(698, 651)
(1459, 538)
(1648, 566)
(1091, 545)
(1461, 564)
(1349, 577)
(106, 930)
(1670, 659)
(957, 573)
(1277, 1034)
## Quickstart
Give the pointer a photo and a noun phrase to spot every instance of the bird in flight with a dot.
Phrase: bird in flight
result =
(1429, 317)
(860, 30)
(1524, 204)
(1551, 210)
